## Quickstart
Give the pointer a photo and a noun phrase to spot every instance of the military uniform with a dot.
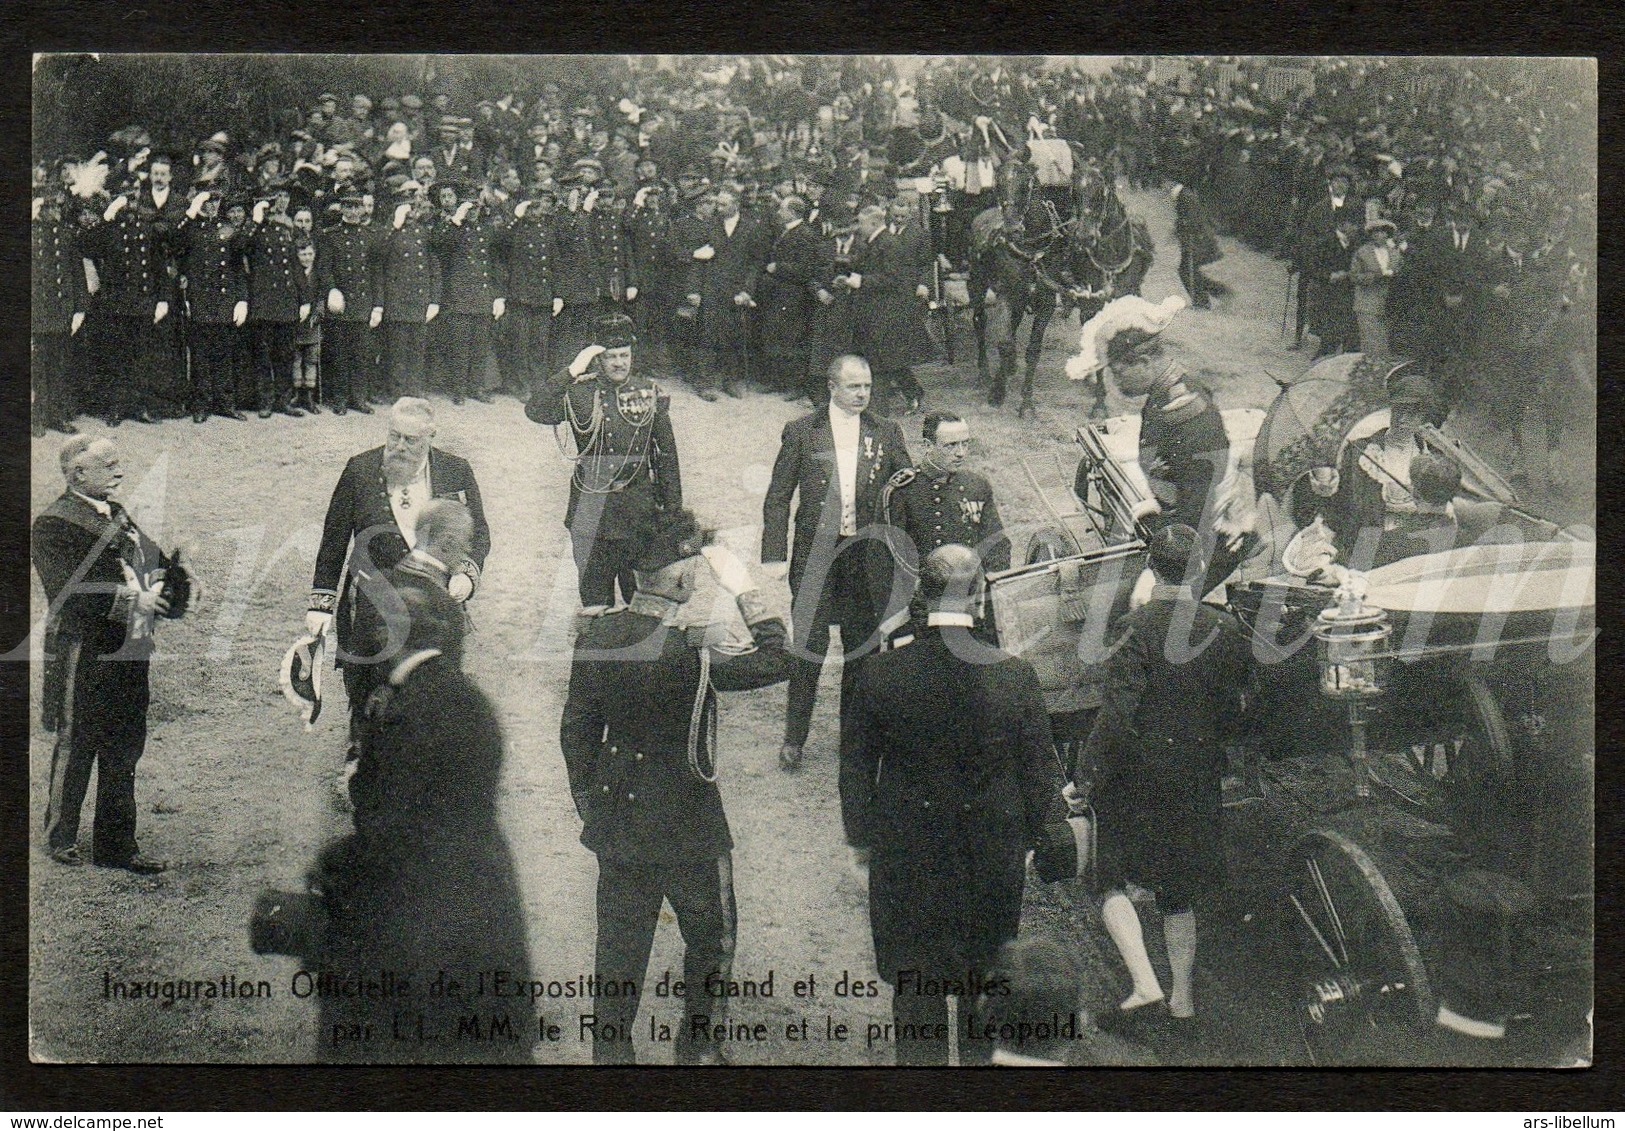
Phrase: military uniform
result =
(626, 472)
(58, 295)
(584, 275)
(346, 262)
(656, 824)
(471, 280)
(136, 366)
(929, 509)
(216, 281)
(530, 299)
(645, 248)
(409, 282)
(273, 308)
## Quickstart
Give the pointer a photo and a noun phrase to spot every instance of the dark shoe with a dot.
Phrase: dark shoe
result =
(313, 406)
(482, 397)
(146, 417)
(199, 417)
(36, 429)
(733, 389)
(232, 414)
(457, 398)
(339, 410)
(113, 421)
(363, 408)
(707, 395)
(265, 414)
(69, 856)
(66, 427)
(290, 409)
(140, 865)
(789, 758)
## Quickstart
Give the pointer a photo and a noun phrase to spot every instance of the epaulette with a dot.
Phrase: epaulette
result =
(902, 479)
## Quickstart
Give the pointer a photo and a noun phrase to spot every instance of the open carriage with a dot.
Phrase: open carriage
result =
(1425, 761)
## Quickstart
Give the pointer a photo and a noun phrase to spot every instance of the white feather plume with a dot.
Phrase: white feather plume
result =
(1131, 312)
(87, 178)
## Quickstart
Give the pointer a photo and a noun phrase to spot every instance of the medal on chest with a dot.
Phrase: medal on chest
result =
(971, 511)
(636, 406)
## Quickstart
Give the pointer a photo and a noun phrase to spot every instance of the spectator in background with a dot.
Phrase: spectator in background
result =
(307, 338)
(1371, 271)
(1198, 244)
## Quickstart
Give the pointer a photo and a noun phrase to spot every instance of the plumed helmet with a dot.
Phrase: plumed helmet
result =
(1128, 314)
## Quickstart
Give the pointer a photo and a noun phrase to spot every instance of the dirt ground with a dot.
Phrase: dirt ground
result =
(237, 796)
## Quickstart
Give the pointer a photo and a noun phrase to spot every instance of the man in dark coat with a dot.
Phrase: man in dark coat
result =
(136, 297)
(56, 314)
(211, 253)
(626, 469)
(346, 260)
(726, 278)
(795, 281)
(531, 302)
(409, 291)
(1198, 245)
(643, 776)
(890, 332)
(588, 264)
(648, 291)
(831, 329)
(273, 302)
(1157, 759)
(949, 778)
(1317, 228)
(686, 237)
(425, 888)
(472, 298)
(838, 460)
(1334, 322)
(101, 577)
(370, 523)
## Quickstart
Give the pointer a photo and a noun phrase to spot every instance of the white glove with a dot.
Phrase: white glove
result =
(705, 253)
(731, 572)
(825, 297)
(239, 313)
(399, 221)
(317, 623)
(584, 359)
(160, 312)
(775, 571)
(592, 199)
(304, 311)
(462, 212)
(429, 314)
(335, 301)
(854, 280)
(376, 317)
(631, 293)
(922, 291)
(522, 208)
(499, 307)
(942, 261)
(771, 267)
(118, 205)
(150, 601)
(259, 211)
(195, 209)
(39, 202)
(461, 587)
(742, 298)
(78, 321)
(640, 196)
(990, 298)
(1077, 800)
(558, 305)
(694, 300)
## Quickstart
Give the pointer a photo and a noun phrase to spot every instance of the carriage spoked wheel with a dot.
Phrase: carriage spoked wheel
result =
(1048, 545)
(1456, 773)
(1366, 988)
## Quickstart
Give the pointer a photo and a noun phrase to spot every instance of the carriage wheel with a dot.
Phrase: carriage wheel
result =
(1367, 987)
(1048, 545)
(1464, 772)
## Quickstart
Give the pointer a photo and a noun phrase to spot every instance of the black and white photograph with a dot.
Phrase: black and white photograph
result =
(812, 560)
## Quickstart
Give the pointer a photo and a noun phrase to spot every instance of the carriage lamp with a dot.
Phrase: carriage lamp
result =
(1352, 645)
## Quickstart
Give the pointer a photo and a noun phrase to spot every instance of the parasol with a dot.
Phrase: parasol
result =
(1311, 418)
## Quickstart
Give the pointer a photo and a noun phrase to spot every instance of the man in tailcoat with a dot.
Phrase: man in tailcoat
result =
(102, 578)
(346, 261)
(211, 253)
(838, 460)
(56, 314)
(409, 291)
(626, 470)
(890, 331)
(643, 776)
(791, 286)
(725, 278)
(371, 521)
(949, 777)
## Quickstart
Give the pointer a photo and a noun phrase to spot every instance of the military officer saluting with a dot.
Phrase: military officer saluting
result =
(345, 264)
(217, 302)
(56, 314)
(409, 289)
(274, 308)
(940, 504)
(626, 472)
(638, 734)
(136, 293)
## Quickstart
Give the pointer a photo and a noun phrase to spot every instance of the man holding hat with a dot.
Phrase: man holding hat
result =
(639, 738)
(626, 471)
(950, 777)
(1156, 760)
(410, 289)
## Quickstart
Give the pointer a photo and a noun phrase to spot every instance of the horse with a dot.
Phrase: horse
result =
(1025, 253)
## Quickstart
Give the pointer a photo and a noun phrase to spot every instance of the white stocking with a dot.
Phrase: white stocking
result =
(1123, 925)
(1179, 931)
